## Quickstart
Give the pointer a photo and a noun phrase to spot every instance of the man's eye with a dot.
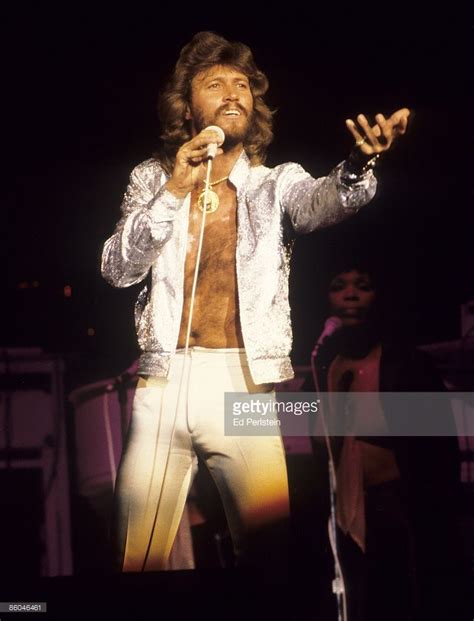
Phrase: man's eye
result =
(214, 85)
(242, 85)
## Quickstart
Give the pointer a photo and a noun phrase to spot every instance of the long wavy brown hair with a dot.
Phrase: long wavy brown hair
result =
(205, 50)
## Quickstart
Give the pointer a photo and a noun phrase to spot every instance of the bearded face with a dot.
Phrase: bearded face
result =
(221, 96)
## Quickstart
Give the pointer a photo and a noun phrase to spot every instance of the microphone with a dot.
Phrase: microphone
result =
(331, 325)
(213, 146)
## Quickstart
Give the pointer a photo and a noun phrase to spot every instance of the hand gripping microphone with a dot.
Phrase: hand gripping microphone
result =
(213, 146)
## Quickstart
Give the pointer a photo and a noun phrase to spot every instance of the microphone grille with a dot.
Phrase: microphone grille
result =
(220, 131)
(333, 323)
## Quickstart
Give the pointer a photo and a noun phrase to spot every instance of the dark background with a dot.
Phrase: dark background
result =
(80, 89)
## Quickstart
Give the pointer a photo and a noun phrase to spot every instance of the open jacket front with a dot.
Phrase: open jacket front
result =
(273, 204)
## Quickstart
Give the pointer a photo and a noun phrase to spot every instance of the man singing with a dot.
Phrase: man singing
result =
(239, 338)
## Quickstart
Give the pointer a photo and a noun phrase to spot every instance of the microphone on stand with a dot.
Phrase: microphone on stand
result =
(332, 324)
(213, 146)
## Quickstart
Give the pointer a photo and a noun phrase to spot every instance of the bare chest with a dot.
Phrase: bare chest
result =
(220, 236)
(215, 320)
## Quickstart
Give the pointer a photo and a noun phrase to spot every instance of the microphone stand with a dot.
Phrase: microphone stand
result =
(338, 585)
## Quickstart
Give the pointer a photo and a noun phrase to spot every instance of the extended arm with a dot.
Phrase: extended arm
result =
(316, 203)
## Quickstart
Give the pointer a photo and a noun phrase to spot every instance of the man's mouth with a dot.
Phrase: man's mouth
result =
(233, 112)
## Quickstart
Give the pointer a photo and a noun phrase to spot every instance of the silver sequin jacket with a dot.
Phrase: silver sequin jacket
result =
(273, 205)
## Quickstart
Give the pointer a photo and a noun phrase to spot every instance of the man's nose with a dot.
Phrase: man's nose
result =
(231, 94)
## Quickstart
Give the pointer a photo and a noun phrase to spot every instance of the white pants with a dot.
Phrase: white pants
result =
(155, 470)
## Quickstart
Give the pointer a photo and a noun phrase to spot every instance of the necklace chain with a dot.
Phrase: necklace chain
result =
(211, 185)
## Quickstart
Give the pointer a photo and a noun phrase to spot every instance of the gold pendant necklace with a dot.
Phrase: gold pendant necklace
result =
(212, 199)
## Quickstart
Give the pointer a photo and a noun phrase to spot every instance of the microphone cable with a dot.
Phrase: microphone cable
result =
(186, 352)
